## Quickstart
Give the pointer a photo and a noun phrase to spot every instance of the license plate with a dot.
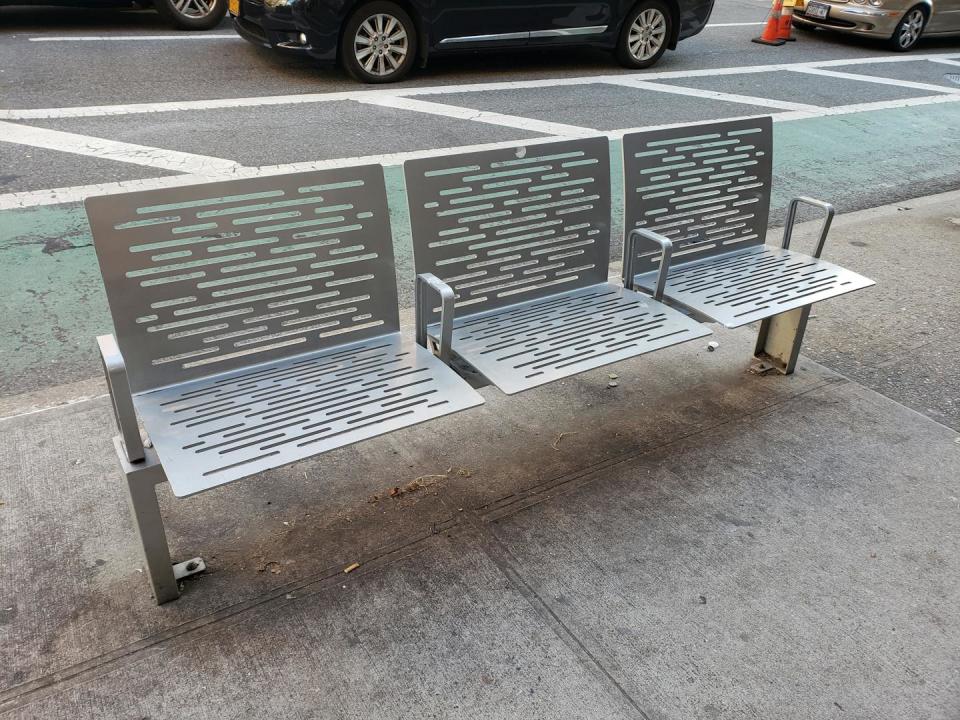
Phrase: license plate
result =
(234, 7)
(817, 10)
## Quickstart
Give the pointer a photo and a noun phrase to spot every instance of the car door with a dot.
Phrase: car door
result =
(477, 23)
(945, 17)
(561, 22)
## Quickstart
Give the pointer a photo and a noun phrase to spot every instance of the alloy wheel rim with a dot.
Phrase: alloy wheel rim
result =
(194, 8)
(647, 34)
(381, 44)
(910, 32)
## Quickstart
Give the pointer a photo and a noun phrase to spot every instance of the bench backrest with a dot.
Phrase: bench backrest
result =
(705, 187)
(208, 278)
(504, 226)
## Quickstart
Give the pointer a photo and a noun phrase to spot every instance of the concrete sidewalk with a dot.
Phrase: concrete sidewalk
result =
(697, 542)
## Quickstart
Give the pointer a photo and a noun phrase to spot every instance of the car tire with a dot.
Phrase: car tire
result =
(645, 34)
(388, 33)
(192, 14)
(908, 30)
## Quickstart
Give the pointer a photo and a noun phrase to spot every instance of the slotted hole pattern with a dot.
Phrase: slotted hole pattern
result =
(538, 341)
(758, 282)
(217, 429)
(214, 277)
(706, 188)
(504, 226)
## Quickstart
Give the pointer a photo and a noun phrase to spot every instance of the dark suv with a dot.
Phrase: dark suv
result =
(380, 41)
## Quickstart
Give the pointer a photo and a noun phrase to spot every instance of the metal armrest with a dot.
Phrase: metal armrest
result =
(630, 260)
(115, 371)
(792, 218)
(427, 286)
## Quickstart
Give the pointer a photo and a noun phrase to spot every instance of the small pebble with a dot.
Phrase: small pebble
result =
(613, 376)
(612, 383)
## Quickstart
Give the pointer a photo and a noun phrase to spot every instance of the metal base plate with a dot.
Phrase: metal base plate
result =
(539, 341)
(753, 283)
(213, 431)
(187, 568)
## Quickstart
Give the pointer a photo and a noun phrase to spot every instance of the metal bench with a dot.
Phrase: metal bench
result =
(703, 191)
(256, 324)
(516, 242)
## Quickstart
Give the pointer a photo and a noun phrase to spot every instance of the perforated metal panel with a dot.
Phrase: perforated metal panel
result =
(754, 283)
(705, 187)
(505, 226)
(543, 340)
(211, 431)
(208, 278)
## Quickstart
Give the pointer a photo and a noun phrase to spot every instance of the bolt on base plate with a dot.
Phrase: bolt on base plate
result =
(762, 367)
(188, 568)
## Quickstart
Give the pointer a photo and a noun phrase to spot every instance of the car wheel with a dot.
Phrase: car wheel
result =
(908, 30)
(379, 43)
(645, 34)
(192, 14)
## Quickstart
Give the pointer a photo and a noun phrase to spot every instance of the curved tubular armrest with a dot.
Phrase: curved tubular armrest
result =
(792, 218)
(115, 371)
(428, 286)
(630, 258)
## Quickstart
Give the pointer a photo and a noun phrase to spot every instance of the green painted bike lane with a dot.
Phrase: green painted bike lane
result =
(53, 304)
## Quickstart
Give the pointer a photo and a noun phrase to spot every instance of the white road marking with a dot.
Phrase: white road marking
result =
(78, 193)
(113, 150)
(806, 114)
(173, 106)
(872, 106)
(199, 168)
(55, 196)
(482, 116)
(955, 63)
(394, 159)
(928, 87)
(135, 38)
(741, 24)
(715, 95)
(364, 95)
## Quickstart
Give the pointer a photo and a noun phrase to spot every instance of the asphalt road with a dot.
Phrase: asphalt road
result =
(97, 102)
(50, 74)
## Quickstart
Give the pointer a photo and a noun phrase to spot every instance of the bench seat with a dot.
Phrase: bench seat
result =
(740, 287)
(538, 341)
(517, 241)
(256, 324)
(696, 207)
(215, 430)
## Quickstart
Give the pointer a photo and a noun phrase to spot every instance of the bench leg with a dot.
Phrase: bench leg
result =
(142, 480)
(779, 341)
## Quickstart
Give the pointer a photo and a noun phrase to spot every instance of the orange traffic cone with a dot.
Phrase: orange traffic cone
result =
(786, 22)
(771, 32)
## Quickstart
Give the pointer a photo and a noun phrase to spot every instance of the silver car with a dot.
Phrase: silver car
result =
(899, 22)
